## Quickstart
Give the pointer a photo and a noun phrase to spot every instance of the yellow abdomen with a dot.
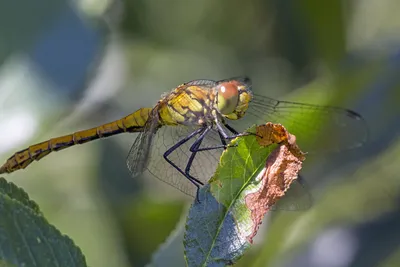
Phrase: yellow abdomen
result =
(131, 123)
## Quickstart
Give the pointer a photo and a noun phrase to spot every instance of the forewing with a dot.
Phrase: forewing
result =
(242, 79)
(296, 198)
(202, 82)
(317, 128)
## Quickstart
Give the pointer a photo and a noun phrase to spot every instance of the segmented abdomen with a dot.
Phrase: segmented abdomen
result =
(131, 123)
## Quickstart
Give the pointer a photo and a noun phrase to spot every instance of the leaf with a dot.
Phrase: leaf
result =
(12, 191)
(26, 238)
(249, 180)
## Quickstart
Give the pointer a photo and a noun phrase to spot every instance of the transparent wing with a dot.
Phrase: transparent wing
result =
(202, 82)
(149, 147)
(317, 128)
(138, 156)
(243, 79)
(296, 198)
(204, 164)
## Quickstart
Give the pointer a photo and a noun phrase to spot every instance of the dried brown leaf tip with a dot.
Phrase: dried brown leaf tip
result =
(281, 169)
(275, 133)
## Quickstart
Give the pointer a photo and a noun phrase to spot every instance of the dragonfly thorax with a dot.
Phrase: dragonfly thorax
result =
(203, 101)
(187, 105)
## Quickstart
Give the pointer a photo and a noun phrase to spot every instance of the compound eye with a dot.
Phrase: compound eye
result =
(228, 97)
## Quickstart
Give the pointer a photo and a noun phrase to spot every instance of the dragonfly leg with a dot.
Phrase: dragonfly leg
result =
(222, 131)
(223, 141)
(194, 148)
(193, 180)
(208, 148)
(223, 138)
(230, 128)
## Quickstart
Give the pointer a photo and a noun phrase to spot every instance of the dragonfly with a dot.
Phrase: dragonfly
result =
(184, 134)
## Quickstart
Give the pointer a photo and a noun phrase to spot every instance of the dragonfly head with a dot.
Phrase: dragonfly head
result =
(233, 97)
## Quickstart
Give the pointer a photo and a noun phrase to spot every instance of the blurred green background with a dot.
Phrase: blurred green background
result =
(71, 65)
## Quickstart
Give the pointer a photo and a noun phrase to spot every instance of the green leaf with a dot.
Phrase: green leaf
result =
(13, 192)
(222, 224)
(237, 169)
(26, 238)
(211, 237)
